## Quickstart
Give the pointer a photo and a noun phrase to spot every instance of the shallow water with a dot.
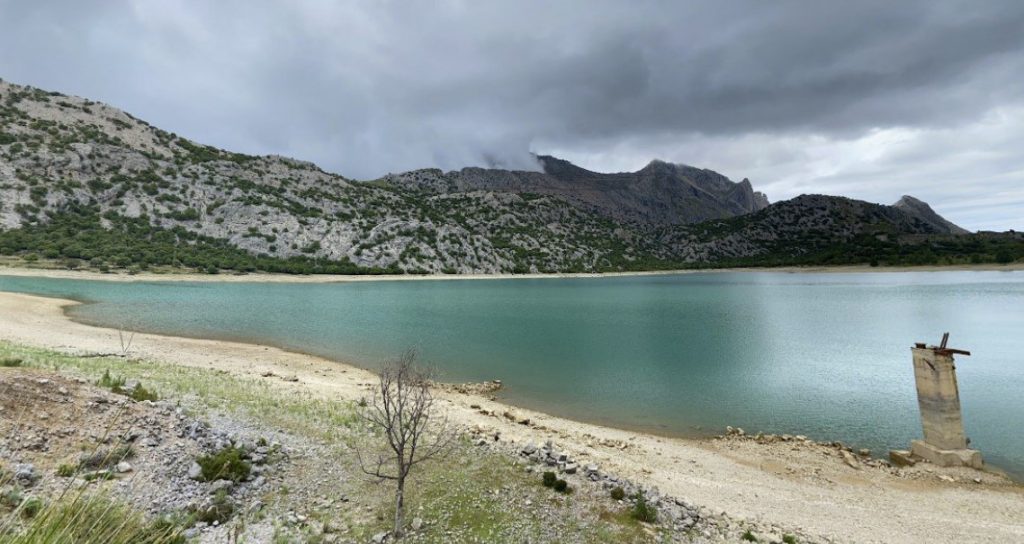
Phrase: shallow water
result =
(825, 355)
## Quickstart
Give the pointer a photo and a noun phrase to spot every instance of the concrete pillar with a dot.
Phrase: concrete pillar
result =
(939, 399)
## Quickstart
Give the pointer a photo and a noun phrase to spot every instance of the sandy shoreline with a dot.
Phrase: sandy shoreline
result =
(782, 483)
(335, 278)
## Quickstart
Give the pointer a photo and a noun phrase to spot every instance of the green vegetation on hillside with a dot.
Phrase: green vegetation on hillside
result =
(78, 239)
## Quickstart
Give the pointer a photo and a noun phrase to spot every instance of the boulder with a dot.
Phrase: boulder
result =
(902, 458)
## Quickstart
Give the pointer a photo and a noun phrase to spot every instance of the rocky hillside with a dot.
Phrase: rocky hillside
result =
(85, 184)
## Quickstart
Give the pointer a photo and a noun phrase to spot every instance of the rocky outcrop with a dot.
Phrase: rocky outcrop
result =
(924, 212)
(661, 193)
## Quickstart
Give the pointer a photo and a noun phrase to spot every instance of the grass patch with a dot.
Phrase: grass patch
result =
(205, 389)
(86, 520)
(10, 362)
(226, 464)
(117, 385)
(644, 511)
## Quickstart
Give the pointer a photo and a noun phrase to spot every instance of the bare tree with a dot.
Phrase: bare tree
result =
(403, 409)
(126, 340)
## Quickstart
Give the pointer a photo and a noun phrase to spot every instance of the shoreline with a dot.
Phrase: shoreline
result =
(256, 277)
(787, 484)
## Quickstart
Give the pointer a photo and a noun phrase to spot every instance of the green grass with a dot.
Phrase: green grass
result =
(301, 413)
(85, 520)
(644, 511)
(226, 464)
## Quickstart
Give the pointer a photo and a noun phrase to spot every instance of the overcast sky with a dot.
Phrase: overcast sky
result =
(871, 100)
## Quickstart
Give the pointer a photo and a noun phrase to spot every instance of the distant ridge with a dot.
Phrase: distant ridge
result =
(660, 193)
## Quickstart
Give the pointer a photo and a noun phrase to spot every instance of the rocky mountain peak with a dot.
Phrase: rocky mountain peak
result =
(924, 212)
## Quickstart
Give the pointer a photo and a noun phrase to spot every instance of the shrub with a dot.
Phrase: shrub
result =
(642, 511)
(218, 510)
(11, 498)
(105, 458)
(226, 464)
(618, 494)
(749, 537)
(31, 507)
(141, 393)
(562, 486)
(10, 362)
(788, 539)
(550, 479)
(105, 474)
(66, 470)
(110, 382)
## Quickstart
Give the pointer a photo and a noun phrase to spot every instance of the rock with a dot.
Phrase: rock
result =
(529, 449)
(864, 452)
(219, 485)
(195, 471)
(570, 468)
(25, 474)
(380, 538)
(124, 467)
(902, 458)
(417, 524)
(850, 460)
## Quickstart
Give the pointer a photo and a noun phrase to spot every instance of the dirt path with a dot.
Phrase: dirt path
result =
(789, 483)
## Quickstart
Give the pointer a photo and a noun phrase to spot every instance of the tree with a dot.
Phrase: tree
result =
(403, 409)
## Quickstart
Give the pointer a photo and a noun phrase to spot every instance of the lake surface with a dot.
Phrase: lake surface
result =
(825, 355)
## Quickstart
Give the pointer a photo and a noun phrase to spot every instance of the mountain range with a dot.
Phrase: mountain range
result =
(85, 184)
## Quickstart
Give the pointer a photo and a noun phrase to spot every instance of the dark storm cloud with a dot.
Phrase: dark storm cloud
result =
(851, 97)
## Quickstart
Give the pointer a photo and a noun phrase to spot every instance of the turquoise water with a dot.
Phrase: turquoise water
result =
(826, 355)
